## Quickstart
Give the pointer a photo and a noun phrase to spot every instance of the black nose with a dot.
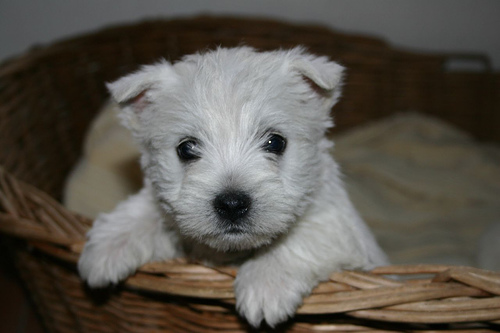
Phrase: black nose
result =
(232, 205)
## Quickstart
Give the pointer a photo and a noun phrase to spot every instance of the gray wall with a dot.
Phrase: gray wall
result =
(427, 25)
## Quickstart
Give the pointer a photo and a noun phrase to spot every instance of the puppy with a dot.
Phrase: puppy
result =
(237, 170)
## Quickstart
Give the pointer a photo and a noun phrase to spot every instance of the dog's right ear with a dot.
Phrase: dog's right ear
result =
(132, 92)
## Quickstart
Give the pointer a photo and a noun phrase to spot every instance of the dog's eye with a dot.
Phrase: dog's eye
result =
(275, 144)
(187, 150)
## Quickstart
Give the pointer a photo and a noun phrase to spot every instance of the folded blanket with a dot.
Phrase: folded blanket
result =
(426, 189)
(108, 171)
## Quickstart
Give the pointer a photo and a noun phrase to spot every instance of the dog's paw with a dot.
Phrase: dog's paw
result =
(101, 265)
(110, 255)
(267, 293)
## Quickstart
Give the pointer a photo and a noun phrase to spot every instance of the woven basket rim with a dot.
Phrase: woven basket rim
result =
(40, 50)
(35, 52)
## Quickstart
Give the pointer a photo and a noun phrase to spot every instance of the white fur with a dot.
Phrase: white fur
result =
(301, 225)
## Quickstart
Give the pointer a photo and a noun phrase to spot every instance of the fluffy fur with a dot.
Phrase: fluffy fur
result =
(290, 223)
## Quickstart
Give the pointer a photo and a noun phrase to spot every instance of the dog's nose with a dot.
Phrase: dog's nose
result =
(232, 205)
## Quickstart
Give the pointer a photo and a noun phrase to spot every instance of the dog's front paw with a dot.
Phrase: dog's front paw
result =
(109, 256)
(99, 266)
(268, 293)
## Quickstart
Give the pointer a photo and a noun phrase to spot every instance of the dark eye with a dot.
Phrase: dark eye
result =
(187, 150)
(275, 144)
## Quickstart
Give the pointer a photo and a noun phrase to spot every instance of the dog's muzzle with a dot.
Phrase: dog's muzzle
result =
(232, 207)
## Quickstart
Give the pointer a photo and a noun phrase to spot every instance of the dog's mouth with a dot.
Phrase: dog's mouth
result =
(241, 234)
(239, 228)
(236, 238)
(235, 231)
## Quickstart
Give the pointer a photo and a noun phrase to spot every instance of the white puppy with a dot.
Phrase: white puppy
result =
(237, 171)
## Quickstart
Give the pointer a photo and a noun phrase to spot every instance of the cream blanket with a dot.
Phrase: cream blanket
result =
(426, 189)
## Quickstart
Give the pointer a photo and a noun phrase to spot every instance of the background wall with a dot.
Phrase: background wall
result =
(427, 25)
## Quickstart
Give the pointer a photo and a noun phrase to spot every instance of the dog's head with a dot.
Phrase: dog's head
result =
(233, 140)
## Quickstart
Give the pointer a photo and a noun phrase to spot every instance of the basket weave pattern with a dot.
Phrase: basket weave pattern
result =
(49, 96)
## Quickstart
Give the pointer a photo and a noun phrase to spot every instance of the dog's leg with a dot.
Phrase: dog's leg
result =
(125, 239)
(271, 285)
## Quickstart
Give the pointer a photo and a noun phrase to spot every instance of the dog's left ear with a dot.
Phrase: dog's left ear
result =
(324, 76)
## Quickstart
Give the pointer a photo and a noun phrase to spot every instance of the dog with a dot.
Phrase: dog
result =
(237, 171)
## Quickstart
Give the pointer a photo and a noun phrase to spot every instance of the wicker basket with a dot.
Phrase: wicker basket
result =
(49, 96)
